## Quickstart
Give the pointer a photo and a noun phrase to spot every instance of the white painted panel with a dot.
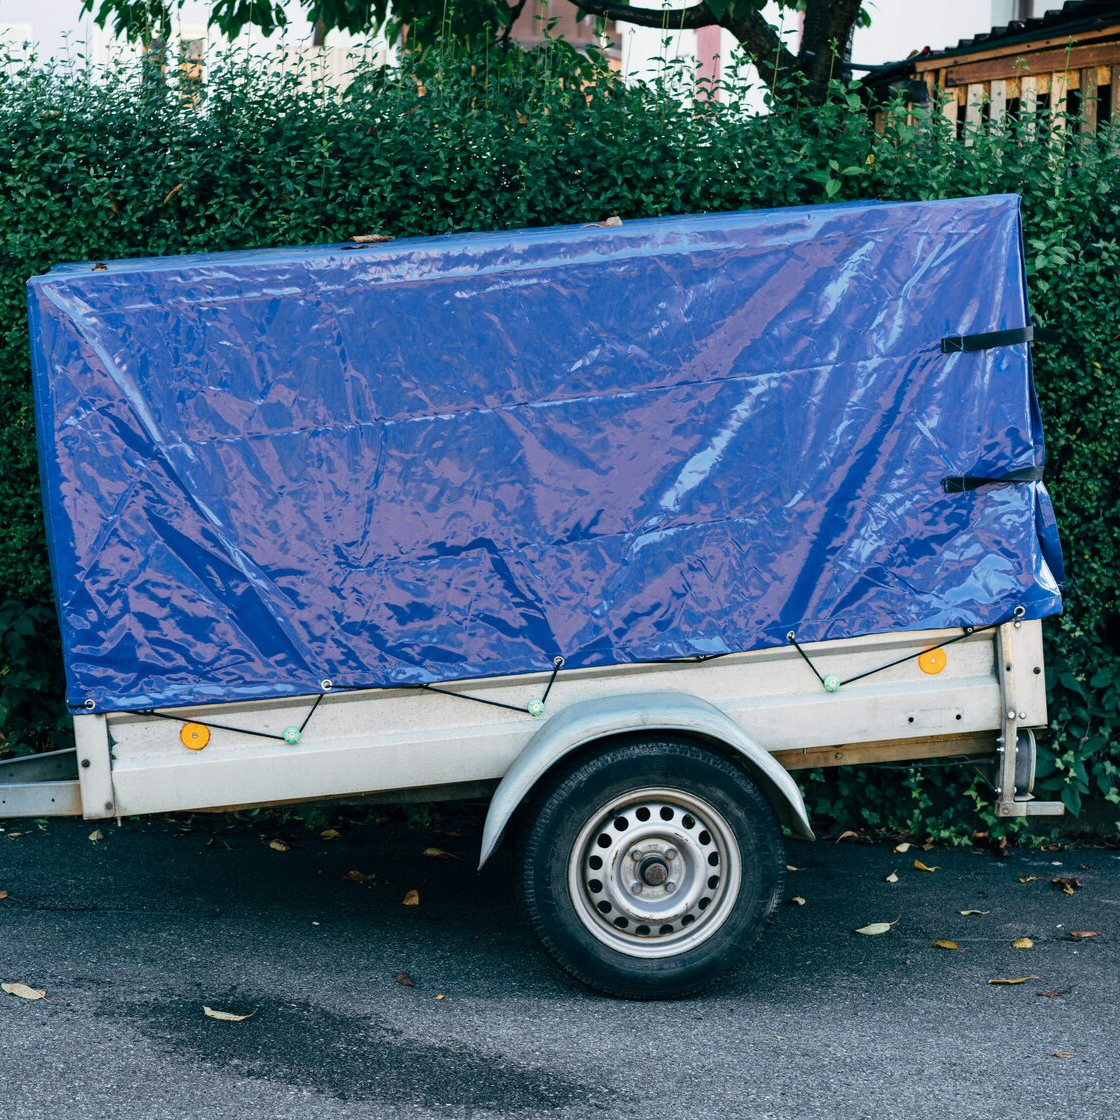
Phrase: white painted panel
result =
(399, 739)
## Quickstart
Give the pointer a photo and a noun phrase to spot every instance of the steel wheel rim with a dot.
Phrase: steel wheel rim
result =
(615, 870)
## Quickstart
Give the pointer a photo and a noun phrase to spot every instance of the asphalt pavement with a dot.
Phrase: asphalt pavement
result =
(131, 936)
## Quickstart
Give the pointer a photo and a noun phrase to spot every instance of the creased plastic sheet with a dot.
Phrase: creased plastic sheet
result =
(455, 457)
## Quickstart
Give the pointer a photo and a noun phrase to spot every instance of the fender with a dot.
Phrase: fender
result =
(589, 720)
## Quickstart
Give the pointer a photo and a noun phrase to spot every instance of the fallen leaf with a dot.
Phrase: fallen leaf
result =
(919, 866)
(405, 980)
(13, 835)
(278, 846)
(876, 928)
(439, 853)
(440, 996)
(1063, 1054)
(902, 849)
(371, 238)
(358, 877)
(3, 895)
(613, 221)
(172, 193)
(1054, 993)
(847, 834)
(1076, 935)
(969, 913)
(330, 834)
(1066, 886)
(1016, 980)
(96, 836)
(797, 900)
(946, 945)
(227, 1016)
(411, 899)
(892, 877)
(790, 867)
(1022, 943)
(23, 991)
(218, 842)
(1030, 878)
(1087, 867)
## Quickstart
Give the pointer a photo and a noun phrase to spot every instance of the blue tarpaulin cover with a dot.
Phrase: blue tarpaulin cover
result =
(452, 457)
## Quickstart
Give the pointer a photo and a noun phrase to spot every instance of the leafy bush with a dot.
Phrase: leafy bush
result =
(102, 165)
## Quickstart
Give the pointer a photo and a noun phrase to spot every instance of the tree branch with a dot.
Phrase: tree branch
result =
(514, 11)
(672, 19)
(763, 44)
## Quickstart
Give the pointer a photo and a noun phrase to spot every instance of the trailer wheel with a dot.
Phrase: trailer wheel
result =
(649, 870)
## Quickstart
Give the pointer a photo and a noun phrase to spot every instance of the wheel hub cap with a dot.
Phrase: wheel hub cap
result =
(655, 872)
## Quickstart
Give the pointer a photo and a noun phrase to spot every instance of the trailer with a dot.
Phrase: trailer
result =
(616, 526)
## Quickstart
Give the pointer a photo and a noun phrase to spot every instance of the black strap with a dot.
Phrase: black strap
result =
(967, 343)
(959, 484)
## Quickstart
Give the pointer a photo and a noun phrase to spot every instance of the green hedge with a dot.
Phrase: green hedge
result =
(96, 165)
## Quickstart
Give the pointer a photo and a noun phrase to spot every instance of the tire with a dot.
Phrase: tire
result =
(650, 869)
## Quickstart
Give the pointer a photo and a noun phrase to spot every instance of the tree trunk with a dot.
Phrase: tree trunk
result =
(826, 43)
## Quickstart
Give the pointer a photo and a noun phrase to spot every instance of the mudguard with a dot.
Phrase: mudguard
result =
(587, 721)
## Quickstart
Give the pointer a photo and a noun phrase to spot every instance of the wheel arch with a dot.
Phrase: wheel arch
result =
(585, 723)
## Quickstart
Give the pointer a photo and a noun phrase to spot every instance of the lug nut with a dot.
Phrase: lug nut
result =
(636, 854)
(670, 853)
(670, 886)
(636, 887)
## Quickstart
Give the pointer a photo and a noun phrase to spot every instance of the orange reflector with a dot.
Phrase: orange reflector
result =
(932, 661)
(194, 736)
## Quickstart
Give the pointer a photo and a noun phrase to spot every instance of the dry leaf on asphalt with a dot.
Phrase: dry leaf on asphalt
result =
(3, 895)
(405, 980)
(1054, 993)
(439, 853)
(23, 991)
(919, 866)
(947, 945)
(790, 867)
(411, 899)
(902, 849)
(358, 877)
(278, 846)
(227, 1016)
(613, 221)
(1076, 935)
(1016, 980)
(1066, 885)
(1063, 1054)
(877, 928)
(969, 913)
(797, 900)
(440, 995)
(1030, 878)
(892, 877)
(1022, 943)
(330, 834)
(847, 834)
(96, 836)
